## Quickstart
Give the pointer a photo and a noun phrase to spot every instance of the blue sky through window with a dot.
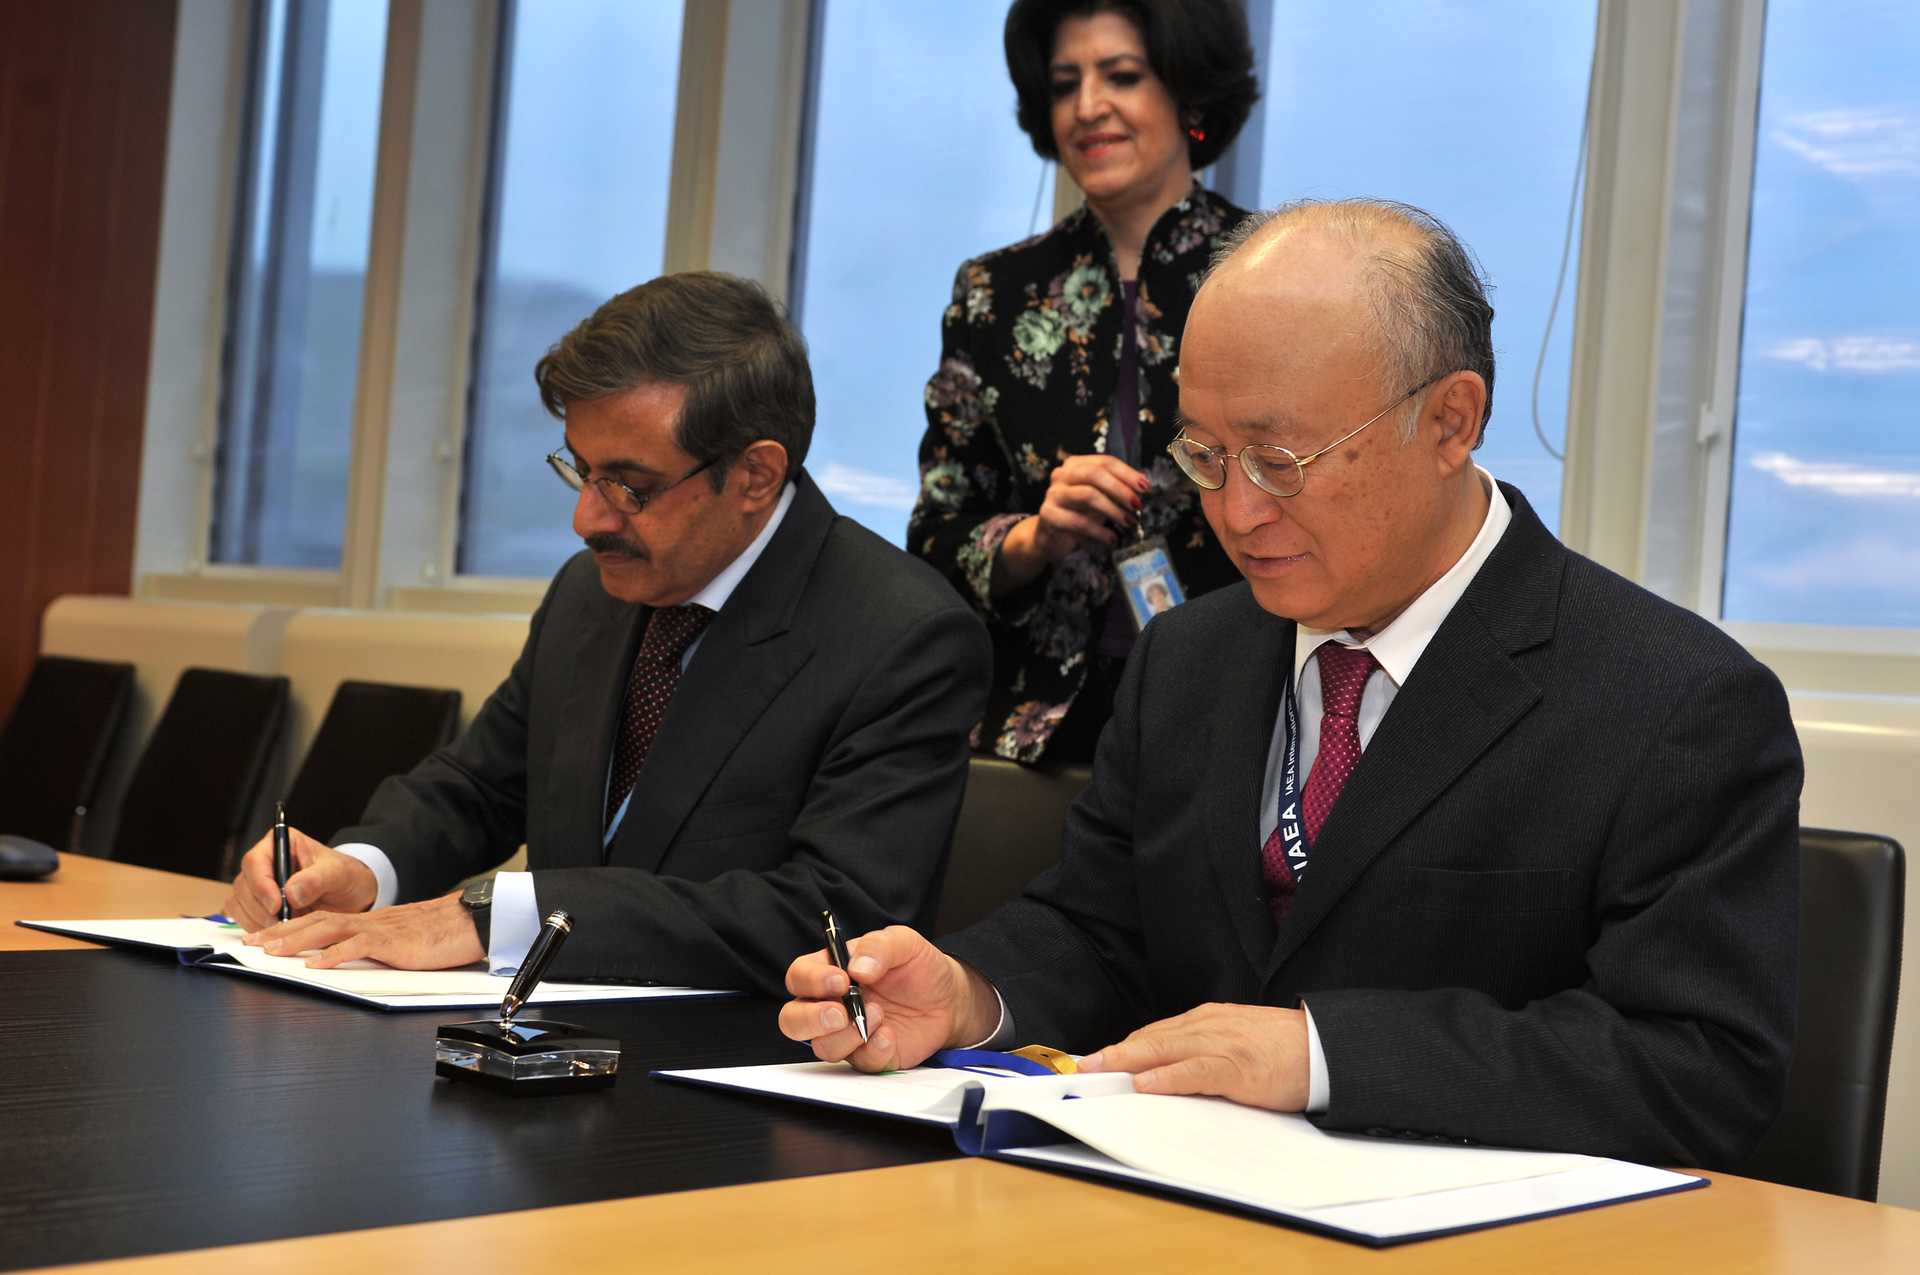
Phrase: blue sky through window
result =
(1824, 526)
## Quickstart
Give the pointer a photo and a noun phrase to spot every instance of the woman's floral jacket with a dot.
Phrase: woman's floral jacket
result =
(1028, 360)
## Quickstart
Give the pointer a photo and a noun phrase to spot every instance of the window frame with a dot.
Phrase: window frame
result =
(736, 170)
(742, 77)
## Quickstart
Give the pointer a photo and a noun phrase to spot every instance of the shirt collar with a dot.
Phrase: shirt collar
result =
(1399, 646)
(721, 587)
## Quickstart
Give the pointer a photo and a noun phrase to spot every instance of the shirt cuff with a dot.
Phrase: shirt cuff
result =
(1002, 1035)
(388, 882)
(1317, 1086)
(515, 922)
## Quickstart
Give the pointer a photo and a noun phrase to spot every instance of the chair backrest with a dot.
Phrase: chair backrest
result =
(55, 746)
(371, 730)
(1852, 901)
(1008, 833)
(193, 792)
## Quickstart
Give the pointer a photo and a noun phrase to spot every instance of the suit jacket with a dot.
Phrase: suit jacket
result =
(1029, 360)
(1554, 906)
(813, 755)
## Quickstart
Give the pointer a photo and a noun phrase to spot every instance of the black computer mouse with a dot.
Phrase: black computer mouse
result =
(23, 859)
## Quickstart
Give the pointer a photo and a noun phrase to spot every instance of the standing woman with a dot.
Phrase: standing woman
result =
(1049, 417)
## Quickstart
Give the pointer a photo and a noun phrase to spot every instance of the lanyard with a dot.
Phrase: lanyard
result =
(1292, 828)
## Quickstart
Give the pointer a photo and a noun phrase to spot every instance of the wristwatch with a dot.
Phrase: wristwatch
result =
(477, 899)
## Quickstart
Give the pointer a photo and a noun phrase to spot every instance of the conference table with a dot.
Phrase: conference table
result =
(155, 1118)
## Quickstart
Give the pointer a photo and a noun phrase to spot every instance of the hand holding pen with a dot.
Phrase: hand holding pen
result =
(319, 879)
(914, 998)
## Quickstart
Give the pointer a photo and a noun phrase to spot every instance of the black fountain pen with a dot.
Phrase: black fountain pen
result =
(837, 953)
(534, 968)
(282, 858)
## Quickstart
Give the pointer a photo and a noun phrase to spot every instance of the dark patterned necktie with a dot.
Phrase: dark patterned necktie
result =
(1343, 676)
(656, 671)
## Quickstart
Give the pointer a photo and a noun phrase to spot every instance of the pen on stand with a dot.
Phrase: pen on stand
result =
(552, 934)
(837, 953)
(282, 858)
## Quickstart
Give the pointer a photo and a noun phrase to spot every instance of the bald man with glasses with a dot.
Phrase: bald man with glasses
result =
(734, 710)
(1432, 827)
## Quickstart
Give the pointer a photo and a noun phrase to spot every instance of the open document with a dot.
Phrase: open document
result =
(1374, 1191)
(214, 943)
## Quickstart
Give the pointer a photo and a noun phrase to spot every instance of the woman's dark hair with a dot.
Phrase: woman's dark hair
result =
(1198, 48)
(741, 360)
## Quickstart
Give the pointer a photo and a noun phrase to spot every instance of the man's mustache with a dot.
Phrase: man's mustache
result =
(607, 542)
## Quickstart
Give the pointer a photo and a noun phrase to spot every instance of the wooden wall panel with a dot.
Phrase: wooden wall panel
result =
(84, 87)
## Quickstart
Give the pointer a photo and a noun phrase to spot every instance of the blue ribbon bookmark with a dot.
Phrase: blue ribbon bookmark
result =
(989, 1061)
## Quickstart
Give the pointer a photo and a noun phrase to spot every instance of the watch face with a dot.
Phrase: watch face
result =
(478, 895)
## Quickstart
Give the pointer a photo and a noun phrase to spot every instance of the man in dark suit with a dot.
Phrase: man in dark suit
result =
(1430, 827)
(734, 710)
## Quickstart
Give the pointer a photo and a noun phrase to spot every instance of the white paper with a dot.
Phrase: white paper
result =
(929, 1094)
(1220, 1147)
(176, 932)
(468, 987)
(1589, 1182)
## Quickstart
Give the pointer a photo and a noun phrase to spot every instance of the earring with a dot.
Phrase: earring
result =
(1197, 133)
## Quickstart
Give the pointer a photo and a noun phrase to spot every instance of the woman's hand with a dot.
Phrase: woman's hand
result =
(1090, 499)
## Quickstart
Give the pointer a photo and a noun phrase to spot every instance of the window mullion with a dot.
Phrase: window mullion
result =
(1740, 107)
(373, 391)
(1623, 250)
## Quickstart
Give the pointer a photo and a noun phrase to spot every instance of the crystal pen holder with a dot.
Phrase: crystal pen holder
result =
(526, 1056)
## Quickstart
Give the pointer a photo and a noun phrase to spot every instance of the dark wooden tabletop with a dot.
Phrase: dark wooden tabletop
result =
(146, 1107)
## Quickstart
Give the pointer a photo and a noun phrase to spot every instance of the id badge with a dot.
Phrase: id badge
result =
(1147, 575)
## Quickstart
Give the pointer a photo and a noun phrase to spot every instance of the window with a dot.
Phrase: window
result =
(577, 211)
(296, 280)
(916, 164)
(1824, 519)
(1473, 114)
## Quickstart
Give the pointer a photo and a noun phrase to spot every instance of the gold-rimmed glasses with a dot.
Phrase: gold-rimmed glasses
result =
(1270, 467)
(616, 493)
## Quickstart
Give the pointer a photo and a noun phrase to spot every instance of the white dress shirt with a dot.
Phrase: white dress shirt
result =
(516, 913)
(1397, 648)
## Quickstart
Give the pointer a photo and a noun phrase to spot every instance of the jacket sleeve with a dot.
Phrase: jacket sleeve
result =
(1675, 1049)
(871, 839)
(1067, 956)
(968, 485)
(464, 809)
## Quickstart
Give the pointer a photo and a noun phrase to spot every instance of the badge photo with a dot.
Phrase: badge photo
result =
(1147, 575)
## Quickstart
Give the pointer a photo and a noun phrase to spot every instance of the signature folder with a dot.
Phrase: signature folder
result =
(1372, 1191)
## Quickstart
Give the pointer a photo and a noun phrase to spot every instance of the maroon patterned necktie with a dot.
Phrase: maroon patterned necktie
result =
(656, 671)
(1344, 672)
(1343, 675)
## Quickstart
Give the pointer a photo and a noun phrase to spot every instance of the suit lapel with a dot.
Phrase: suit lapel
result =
(1463, 695)
(1250, 686)
(747, 656)
(601, 661)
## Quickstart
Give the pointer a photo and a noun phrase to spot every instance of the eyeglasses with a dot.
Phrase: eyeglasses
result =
(612, 490)
(1272, 468)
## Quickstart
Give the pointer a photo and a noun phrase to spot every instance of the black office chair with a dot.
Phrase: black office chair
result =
(1852, 901)
(55, 746)
(1008, 834)
(192, 794)
(371, 730)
